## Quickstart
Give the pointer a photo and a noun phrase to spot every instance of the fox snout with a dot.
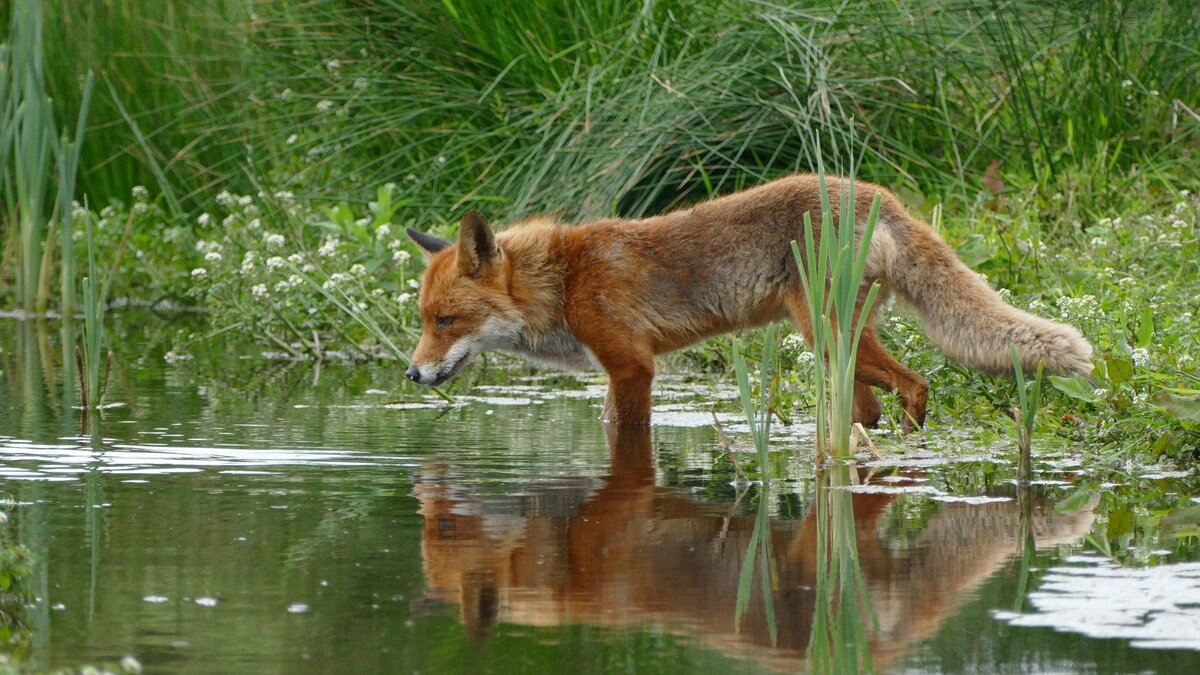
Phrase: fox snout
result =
(431, 374)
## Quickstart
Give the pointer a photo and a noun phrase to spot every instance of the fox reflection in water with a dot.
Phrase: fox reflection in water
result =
(622, 552)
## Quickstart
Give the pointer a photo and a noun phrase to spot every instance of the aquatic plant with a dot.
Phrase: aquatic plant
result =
(831, 271)
(91, 387)
(758, 414)
(1029, 400)
(28, 136)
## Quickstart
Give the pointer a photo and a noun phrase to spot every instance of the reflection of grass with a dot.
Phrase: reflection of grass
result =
(839, 641)
(759, 551)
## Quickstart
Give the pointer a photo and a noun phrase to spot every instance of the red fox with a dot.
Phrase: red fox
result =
(615, 293)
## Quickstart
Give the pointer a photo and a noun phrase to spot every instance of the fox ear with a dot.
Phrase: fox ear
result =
(477, 247)
(428, 243)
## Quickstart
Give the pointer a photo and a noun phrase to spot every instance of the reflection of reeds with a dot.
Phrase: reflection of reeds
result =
(831, 271)
(1029, 399)
(843, 607)
(759, 551)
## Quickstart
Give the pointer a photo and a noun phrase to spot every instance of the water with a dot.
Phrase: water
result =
(244, 515)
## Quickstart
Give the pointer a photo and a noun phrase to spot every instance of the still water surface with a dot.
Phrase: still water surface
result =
(247, 515)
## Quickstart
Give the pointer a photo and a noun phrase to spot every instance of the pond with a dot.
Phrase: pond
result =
(240, 513)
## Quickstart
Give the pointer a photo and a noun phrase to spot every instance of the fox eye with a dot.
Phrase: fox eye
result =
(444, 322)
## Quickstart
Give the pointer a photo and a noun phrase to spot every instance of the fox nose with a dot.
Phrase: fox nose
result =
(413, 373)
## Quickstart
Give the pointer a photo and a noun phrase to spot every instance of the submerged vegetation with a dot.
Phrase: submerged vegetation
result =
(235, 149)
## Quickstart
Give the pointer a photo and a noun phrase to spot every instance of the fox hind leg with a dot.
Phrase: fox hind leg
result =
(867, 410)
(875, 367)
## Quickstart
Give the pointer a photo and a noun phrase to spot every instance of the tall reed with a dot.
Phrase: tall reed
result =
(32, 145)
(758, 414)
(67, 159)
(831, 270)
(94, 301)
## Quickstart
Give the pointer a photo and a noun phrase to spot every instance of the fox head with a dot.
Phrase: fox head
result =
(466, 308)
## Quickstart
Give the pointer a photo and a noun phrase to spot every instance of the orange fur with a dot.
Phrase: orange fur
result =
(616, 293)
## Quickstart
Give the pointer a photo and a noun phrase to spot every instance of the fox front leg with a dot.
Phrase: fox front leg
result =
(629, 380)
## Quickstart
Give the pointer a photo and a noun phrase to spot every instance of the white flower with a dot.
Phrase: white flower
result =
(335, 279)
(259, 290)
(284, 195)
(107, 212)
(358, 269)
(199, 273)
(213, 256)
(292, 139)
(328, 247)
(254, 224)
(1141, 356)
(245, 200)
(250, 211)
(77, 211)
(273, 240)
(229, 220)
(324, 105)
(282, 286)
(139, 208)
(441, 159)
(275, 262)
(383, 231)
(248, 262)
(140, 193)
(377, 293)
(295, 258)
(204, 220)
(226, 199)
(395, 244)
(414, 284)
(285, 94)
(360, 83)
(403, 298)
(130, 664)
(401, 257)
(1126, 83)
(333, 64)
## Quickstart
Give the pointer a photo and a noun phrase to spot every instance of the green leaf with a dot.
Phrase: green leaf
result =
(1120, 369)
(1076, 387)
(1186, 408)
(1145, 331)
(975, 251)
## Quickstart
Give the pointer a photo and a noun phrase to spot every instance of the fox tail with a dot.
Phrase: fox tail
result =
(965, 316)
